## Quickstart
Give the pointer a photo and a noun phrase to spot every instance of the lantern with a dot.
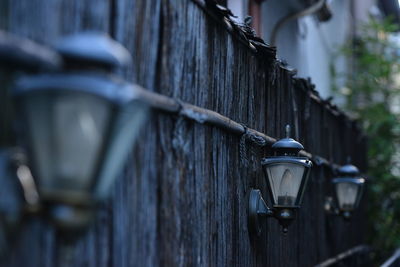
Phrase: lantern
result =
(78, 126)
(348, 188)
(287, 175)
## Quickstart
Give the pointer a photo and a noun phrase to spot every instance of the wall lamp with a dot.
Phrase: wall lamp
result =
(18, 193)
(77, 126)
(16, 197)
(287, 176)
(348, 186)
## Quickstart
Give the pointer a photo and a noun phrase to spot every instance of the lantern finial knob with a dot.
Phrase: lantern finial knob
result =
(288, 130)
(287, 145)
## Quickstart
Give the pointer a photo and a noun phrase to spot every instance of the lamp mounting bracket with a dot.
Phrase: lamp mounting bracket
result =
(258, 210)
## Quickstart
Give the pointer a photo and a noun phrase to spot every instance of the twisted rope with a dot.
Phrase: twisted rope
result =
(254, 139)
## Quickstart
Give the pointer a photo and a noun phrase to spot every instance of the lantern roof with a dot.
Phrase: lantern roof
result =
(107, 87)
(288, 144)
(94, 48)
(348, 170)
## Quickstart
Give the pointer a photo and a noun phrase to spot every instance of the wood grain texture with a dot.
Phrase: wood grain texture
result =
(182, 198)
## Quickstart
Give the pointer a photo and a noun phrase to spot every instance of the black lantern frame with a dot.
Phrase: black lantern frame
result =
(18, 190)
(359, 182)
(302, 161)
(19, 196)
(122, 98)
(114, 108)
(347, 174)
(286, 153)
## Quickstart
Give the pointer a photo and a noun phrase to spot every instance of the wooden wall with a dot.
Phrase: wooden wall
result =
(182, 199)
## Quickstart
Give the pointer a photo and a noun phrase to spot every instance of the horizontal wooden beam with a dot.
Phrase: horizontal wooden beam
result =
(29, 55)
(205, 116)
(344, 255)
(395, 257)
(22, 53)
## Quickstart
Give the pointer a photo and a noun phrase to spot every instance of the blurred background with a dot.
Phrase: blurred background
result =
(350, 49)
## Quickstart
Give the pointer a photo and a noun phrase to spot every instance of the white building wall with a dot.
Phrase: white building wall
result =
(308, 45)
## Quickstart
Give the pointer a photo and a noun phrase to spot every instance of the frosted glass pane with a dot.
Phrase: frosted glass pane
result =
(126, 128)
(346, 195)
(67, 132)
(285, 180)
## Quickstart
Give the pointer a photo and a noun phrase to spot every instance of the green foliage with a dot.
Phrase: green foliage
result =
(372, 94)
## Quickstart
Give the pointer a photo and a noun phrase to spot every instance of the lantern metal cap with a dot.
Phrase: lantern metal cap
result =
(94, 48)
(348, 180)
(295, 160)
(108, 87)
(288, 144)
(348, 170)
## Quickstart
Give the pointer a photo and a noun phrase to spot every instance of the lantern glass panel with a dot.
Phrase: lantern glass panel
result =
(347, 195)
(67, 131)
(285, 180)
(126, 128)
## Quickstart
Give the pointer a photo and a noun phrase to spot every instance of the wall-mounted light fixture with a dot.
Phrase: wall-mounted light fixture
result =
(11, 201)
(287, 176)
(18, 191)
(348, 188)
(78, 126)
(18, 196)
